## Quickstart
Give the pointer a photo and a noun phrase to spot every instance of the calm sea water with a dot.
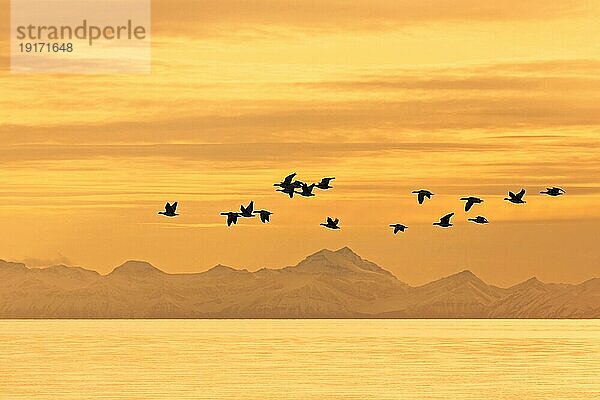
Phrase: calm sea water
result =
(300, 359)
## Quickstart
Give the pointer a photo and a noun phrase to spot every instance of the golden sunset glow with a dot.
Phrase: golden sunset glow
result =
(462, 98)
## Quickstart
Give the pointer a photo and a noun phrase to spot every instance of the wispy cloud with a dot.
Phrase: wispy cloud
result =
(60, 259)
(236, 15)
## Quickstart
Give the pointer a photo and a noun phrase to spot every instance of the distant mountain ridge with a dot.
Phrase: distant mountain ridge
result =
(326, 284)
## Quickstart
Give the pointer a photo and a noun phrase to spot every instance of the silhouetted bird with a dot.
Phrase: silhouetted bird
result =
(287, 181)
(288, 185)
(444, 221)
(398, 228)
(516, 198)
(324, 184)
(247, 211)
(479, 220)
(307, 190)
(554, 191)
(288, 190)
(470, 201)
(232, 217)
(421, 194)
(169, 210)
(331, 223)
(264, 215)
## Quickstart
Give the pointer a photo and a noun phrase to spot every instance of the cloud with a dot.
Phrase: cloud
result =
(47, 262)
(531, 95)
(334, 121)
(548, 76)
(200, 19)
(465, 83)
(247, 19)
(230, 152)
(589, 67)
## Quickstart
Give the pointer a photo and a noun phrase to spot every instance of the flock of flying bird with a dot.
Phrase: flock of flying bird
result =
(290, 186)
(470, 201)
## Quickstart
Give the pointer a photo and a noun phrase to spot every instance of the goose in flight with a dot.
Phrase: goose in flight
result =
(264, 215)
(247, 212)
(289, 181)
(307, 190)
(398, 228)
(470, 201)
(324, 184)
(288, 190)
(232, 217)
(554, 191)
(421, 194)
(331, 223)
(479, 220)
(516, 198)
(170, 210)
(444, 222)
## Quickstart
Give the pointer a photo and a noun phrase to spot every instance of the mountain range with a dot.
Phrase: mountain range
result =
(326, 284)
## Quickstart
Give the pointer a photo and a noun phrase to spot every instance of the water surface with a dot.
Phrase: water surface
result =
(300, 359)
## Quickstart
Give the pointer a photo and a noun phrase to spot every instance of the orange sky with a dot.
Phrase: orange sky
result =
(464, 98)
